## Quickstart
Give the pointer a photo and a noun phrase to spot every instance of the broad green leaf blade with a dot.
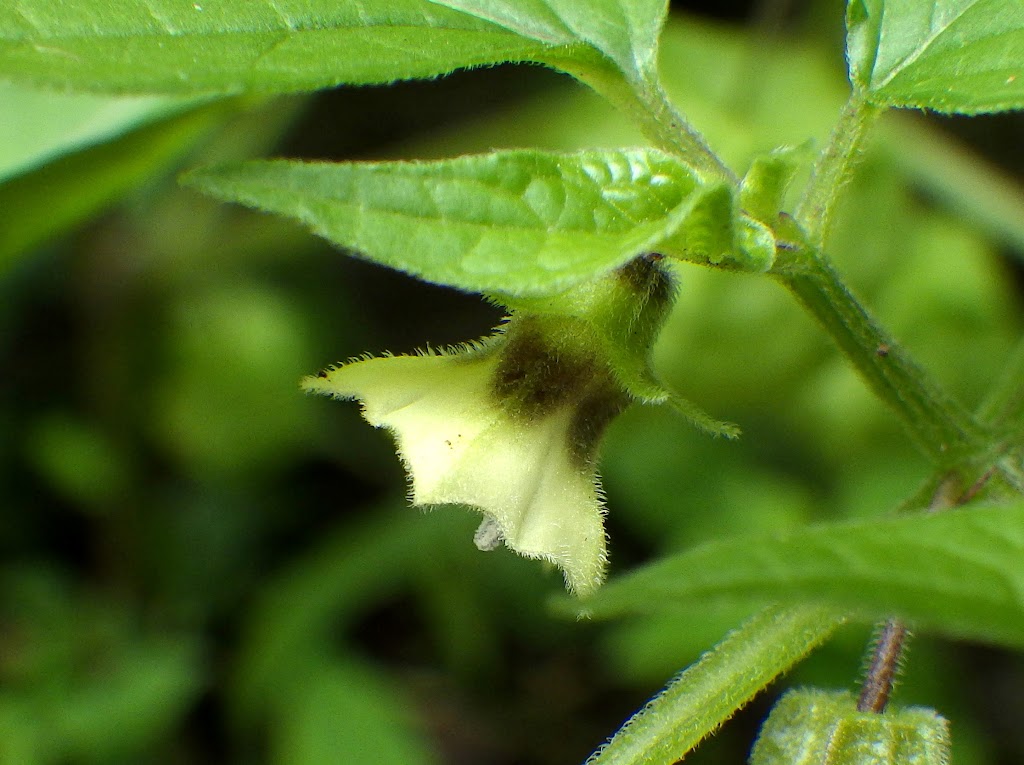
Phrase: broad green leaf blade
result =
(515, 223)
(948, 55)
(173, 46)
(709, 692)
(961, 572)
(625, 31)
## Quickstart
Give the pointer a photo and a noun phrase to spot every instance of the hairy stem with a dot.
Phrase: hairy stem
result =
(892, 634)
(834, 167)
(940, 427)
(885, 661)
(938, 424)
(710, 691)
(667, 129)
(642, 99)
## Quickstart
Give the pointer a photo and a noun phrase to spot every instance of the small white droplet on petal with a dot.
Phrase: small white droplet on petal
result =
(488, 535)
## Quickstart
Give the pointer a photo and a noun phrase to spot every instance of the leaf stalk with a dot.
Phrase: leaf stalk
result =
(834, 167)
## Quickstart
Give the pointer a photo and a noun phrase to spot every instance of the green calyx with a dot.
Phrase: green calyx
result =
(814, 727)
(611, 322)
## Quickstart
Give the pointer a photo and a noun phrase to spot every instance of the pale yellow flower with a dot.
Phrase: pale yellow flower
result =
(511, 425)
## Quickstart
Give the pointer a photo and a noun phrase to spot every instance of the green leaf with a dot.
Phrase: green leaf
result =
(948, 55)
(763, 189)
(960, 571)
(715, 232)
(709, 692)
(516, 222)
(170, 46)
(625, 31)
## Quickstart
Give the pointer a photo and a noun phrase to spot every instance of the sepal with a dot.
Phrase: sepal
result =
(815, 727)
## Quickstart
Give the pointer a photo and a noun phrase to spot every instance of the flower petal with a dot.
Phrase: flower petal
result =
(460, 446)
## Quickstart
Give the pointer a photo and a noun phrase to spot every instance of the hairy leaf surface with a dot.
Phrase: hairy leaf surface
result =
(212, 46)
(626, 31)
(948, 55)
(516, 222)
(961, 572)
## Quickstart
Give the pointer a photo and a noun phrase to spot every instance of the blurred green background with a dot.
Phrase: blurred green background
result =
(199, 565)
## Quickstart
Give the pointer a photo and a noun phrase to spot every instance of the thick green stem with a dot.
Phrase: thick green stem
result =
(834, 167)
(643, 100)
(667, 129)
(941, 428)
(939, 425)
(710, 691)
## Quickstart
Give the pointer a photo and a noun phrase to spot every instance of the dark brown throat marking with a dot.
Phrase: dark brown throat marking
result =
(647, 277)
(590, 420)
(536, 377)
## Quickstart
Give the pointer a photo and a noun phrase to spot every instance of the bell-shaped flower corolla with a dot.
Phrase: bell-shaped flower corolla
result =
(511, 425)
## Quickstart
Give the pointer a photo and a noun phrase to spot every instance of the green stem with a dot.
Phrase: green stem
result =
(941, 428)
(667, 129)
(709, 692)
(834, 167)
(643, 100)
(939, 425)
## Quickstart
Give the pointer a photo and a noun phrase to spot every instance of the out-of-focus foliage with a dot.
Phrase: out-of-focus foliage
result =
(92, 150)
(202, 566)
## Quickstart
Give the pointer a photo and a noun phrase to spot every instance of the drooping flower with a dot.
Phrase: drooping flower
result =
(511, 424)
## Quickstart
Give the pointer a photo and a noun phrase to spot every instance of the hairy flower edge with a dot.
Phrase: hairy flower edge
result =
(461, 443)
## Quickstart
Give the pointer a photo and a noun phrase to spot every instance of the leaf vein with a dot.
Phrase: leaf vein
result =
(922, 48)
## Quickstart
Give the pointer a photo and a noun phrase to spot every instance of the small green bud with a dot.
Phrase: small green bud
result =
(814, 727)
(763, 190)
(755, 246)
